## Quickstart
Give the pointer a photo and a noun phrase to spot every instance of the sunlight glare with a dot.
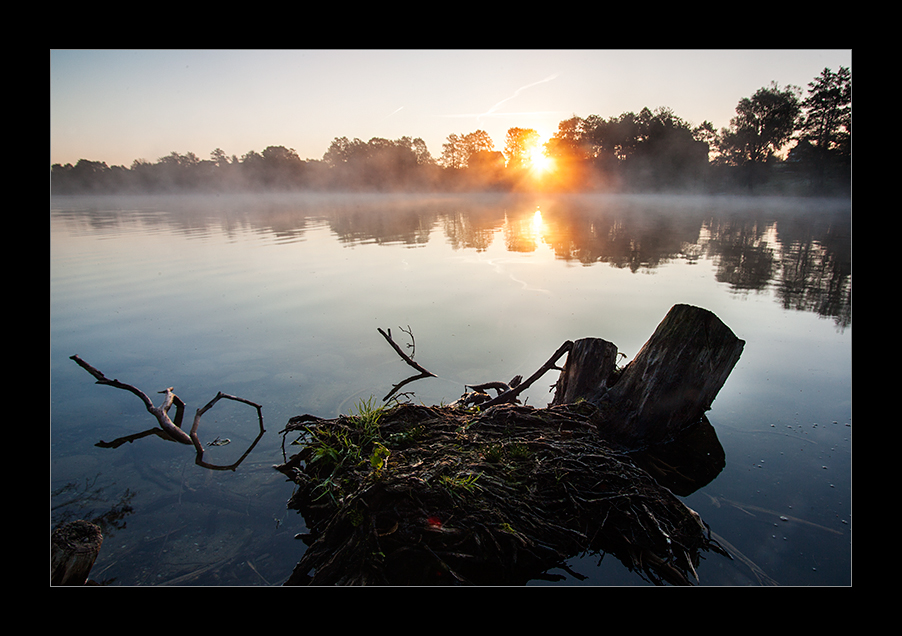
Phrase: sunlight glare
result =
(538, 224)
(539, 161)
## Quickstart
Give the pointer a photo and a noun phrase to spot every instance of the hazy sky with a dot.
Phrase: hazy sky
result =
(120, 105)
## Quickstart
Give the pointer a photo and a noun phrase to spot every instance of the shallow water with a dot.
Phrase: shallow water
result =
(277, 299)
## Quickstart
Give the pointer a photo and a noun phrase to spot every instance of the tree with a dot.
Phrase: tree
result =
(281, 166)
(569, 142)
(706, 134)
(452, 152)
(666, 152)
(460, 149)
(380, 163)
(518, 144)
(763, 124)
(341, 151)
(219, 157)
(827, 122)
(419, 149)
(477, 141)
(824, 150)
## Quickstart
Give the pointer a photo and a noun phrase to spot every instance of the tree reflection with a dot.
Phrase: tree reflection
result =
(744, 256)
(77, 500)
(800, 248)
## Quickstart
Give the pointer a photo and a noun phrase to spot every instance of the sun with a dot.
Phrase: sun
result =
(538, 160)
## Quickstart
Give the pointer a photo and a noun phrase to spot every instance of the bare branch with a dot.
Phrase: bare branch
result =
(413, 342)
(196, 441)
(169, 430)
(510, 395)
(424, 373)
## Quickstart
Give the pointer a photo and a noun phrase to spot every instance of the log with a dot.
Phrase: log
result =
(73, 549)
(672, 381)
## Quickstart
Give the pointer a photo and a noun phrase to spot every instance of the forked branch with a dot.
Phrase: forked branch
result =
(171, 430)
(423, 373)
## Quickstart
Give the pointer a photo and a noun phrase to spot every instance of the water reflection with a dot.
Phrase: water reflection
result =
(80, 499)
(688, 463)
(800, 248)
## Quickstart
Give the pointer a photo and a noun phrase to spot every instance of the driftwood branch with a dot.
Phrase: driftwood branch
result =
(171, 430)
(200, 451)
(511, 394)
(423, 373)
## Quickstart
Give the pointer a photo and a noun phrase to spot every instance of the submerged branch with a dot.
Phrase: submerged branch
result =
(171, 430)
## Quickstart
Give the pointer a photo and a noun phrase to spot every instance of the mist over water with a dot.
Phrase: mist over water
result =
(277, 298)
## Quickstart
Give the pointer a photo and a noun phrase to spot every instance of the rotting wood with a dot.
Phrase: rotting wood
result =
(588, 371)
(673, 379)
(73, 549)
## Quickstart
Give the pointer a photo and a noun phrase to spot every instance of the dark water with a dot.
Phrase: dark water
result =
(277, 300)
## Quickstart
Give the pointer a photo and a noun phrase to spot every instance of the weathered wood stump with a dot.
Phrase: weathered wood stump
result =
(673, 379)
(667, 387)
(73, 549)
(589, 370)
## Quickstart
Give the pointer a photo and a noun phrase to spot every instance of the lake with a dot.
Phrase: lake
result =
(277, 299)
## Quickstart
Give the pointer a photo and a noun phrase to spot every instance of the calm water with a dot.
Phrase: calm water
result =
(277, 300)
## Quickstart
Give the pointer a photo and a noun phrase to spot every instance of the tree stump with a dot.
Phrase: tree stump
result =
(587, 372)
(672, 381)
(73, 549)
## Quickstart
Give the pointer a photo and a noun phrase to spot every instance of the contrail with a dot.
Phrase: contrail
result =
(392, 113)
(516, 93)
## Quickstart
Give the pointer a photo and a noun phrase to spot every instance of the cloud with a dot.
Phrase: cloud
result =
(392, 113)
(517, 92)
(493, 111)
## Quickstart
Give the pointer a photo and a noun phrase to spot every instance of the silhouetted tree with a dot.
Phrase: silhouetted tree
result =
(827, 122)
(379, 163)
(666, 153)
(569, 142)
(824, 150)
(453, 153)
(219, 157)
(517, 145)
(281, 167)
(762, 125)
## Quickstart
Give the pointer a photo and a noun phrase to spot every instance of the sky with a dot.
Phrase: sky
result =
(117, 106)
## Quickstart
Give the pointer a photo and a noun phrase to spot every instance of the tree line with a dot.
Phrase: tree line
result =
(778, 141)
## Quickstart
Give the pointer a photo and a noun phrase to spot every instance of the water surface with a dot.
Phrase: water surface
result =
(277, 299)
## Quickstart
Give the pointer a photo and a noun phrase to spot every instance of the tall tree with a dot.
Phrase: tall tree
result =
(827, 122)
(763, 124)
(219, 157)
(824, 151)
(453, 152)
